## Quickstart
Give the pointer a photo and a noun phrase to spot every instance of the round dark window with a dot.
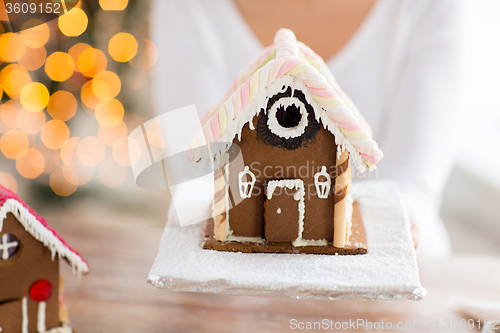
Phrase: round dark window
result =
(288, 117)
(288, 121)
(9, 245)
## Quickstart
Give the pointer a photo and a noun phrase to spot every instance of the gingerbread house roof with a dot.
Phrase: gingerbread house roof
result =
(37, 226)
(287, 57)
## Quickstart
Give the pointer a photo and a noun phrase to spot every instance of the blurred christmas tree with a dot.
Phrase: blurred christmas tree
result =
(71, 90)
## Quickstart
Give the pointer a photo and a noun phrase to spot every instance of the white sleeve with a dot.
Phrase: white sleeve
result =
(202, 46)
(423, 118)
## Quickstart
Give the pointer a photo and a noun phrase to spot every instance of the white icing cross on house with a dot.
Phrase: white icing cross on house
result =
(5, 246)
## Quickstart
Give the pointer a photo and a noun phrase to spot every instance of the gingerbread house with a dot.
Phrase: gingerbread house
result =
(297, 134)
(31, 290)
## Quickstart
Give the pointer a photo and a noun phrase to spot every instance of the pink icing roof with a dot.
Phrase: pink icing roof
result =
(289, 57)
(53, 240)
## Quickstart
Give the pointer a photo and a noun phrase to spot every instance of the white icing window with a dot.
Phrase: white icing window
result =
(322, 182)
(287, 118)
(246, 187)
(8, 246)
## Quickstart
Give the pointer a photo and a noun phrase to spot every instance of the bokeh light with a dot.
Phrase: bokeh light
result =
(13, 78)
(52, 157)
(62, 105)
(8, 181)
(106, 85)
(54, 133)
(109, 112)
(12, 47)
(84, 172)
(90, 151)
(111, 173)
(89, 99)
(73, 23)
(122, 47)
(125, 156)
(146, 56)
(8, 115)
(110, 135)
(63, 180)
(113, 4)
(91, 62)
(31, 164)
(30, 122)
(14, 143)
(59, 66)
(40, 146)
(33, 58)
(35, 33)
(68, 152)
(34, 96)
(75, 51)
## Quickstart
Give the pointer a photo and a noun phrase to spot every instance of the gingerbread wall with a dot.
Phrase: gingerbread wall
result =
(247, 218)
(32, 262)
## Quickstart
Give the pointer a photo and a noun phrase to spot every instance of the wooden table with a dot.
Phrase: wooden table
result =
(120, 247)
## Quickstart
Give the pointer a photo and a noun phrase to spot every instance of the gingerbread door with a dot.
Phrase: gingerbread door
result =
(11, 316)
(283, 210)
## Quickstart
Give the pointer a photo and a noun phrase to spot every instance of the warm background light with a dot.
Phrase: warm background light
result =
(109, 112)
(8, 181)
(91, 62)
(48, 79)
(111, 173)
(73, 23)
(59, 66)
(113, 4)
(54, 133)
(14, 143)
(122, 47)
(106, 85)
(75, 52)
(30, 122)
(13, 78)
(88, 97)
(90, 151)
(35, 33)
(147, 55)
(62, 105)
(12, 47)
(33, 58)
(30, 164)
(34, 96)
(109, 135)
(63, 181)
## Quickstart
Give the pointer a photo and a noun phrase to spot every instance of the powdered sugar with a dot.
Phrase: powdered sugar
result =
(388, 271)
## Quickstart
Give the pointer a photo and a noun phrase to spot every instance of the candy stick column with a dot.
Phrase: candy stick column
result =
(340, 210)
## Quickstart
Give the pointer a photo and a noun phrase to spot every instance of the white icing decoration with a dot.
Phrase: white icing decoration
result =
(5, 246)
(64, 329)
(40, 319)
(299, 194)
(245, 187)
(232, 238)
(235, 126)
(42, 234)
(350, 210)
(322, 187)
(278, 210)
(283, 132)
(24, 328)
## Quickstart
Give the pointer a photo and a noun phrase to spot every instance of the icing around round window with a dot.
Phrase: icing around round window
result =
(288, 120)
